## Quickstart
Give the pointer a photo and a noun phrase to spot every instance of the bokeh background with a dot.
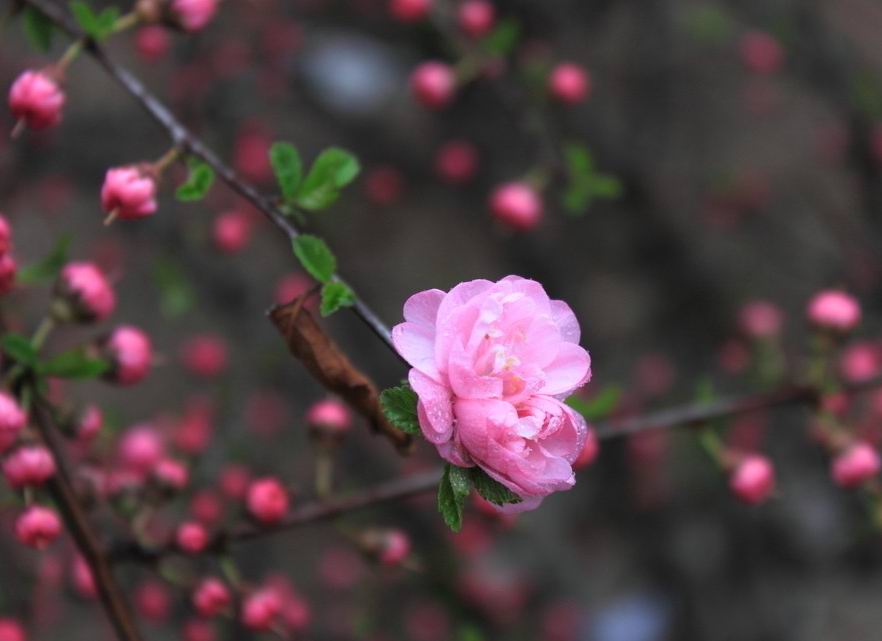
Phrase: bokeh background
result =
(737, 186)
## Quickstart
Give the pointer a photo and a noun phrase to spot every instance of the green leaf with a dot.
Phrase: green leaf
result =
(334, 296)
(99, 25)
(288, 168)
(316, 258)
(332, 170)
(19, 348)
(47, 268)
(491, 489)
(708, 23)
(38, 29)
(503, 39)
(584, 183)
(452, 493)
(470, 633)
(400, 407)
(599, 406)
(176, 295)
(74, 364)
(198, 182)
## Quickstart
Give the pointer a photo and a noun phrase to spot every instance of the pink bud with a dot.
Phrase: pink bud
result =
(292, 286)
(834, 310)
(761, 319)
(198, 630)
(193, 15)
(12, 420)
(383, 185)
(205, 355)
(267, 500)
(192, 537)
(152, 42)
(8, 271)
(569, 83)
(211, 597)
(760, 52)
(261, 609)
(476, 17)
(29, 465)
(753, 479)
(130, 354)
(410, 10)
(589, 451)
(141, 449)
(234, 481)
(36, 99)
(856, 465)
(517, 205)
(5, 235)
(152, 600)
(433, 84)
(172, 474)
(860, 362)
(38, 527)
(329, 416)
(86, 290)
(11, 630)
(83, 579)
(206, 506)
(89, 423)
(395, 547)
(232, 231)
(456, 161)
(129, 193)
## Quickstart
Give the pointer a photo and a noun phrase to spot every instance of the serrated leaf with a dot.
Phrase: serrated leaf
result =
(400, 407)
(19, 348)
(332, 170)
(491, 489)
(452, 493)
(316, 257)
(198, 183)
(74, 364)
(334, 296)
(48, 267)
(599, 406)
(97, 25)
(38, 29)
(503, 39)
(287, 167)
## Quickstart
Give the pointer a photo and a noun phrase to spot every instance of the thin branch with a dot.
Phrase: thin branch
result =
(184, 138)
(62, 492)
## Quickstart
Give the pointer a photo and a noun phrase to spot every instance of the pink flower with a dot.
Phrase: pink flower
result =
(38, 527)
(456, 161)
(329, 416)
(211, 597)
(141, 449)
(152, 600)
(834, 310)
(409, 10)
(11, 630)
(517, 205)
(152, 42)
(89, 423)
(192, 537)
(205, 355)
(491, 365)
(569, 83)
(261, 609)
(198, 630)
(860, 362)
(476, 17)
(29, 465)
(232, 231)
(130, 354)
(8, 271)
(82, 578)
(86, 290)
(856, 465)
(36, 100)
(129, 193)
(753, 479)
(267, 500)
(193, 15)
(761, 319)
(234, 481)
(172, 474)
(433, 84)
(12, 420)
(395, 547)
(760, 52)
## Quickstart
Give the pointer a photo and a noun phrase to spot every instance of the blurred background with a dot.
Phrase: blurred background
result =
(747, 173)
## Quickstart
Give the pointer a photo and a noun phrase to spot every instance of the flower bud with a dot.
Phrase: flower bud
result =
(36, 100)
(761, 53)
(29, 465)
(234, 481)
(860, 362)
(856, 465)
(12, 420)
(261, 609)
(211, 597)
(476, 17)
(5, 235)
(38, 527)
(86, 291)
(569, 83)
(205, 355)
(206, 506)
(433, 84)
(328, 419)
(456, 161)
(129, 192)
(517, 205)
(198, 630)
(753, 479)
(171, 474)
(82, 578)
(834, 311)
(11, 630)
(152, 601)
(130, 354)
(193, 15)
(8, 272)
(231, 231)
(192, 537)
(152, 42)
(395, 547)
(267, 500)
(140, 449)
(761, 319)
(410, 10)
(88, 423)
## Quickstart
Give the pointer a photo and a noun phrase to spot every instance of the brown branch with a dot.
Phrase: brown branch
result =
(62, 492)
(185, 139)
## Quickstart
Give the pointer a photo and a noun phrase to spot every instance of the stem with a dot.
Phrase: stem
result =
(126, 22)
(70, 54)
(167, 159)
(324, 472)
(44, 329)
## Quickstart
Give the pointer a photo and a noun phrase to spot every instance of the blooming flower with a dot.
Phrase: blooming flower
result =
(492, 363)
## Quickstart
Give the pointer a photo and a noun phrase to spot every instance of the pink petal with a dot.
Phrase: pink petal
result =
(570, 369)
(416, 343)
(434, 409)
(422, 308)
(566, 321)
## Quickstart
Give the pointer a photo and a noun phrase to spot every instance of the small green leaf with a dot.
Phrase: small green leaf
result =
(491, 489)
(198, 182)
(332, 170)
(503, 39)
(400, 407)
(74, 364)
(452, 493)
(599, 406)
(334, 296)
(176, 295)
(48, 267)
(19, 349)
(38, 29)
(316, 257)
(584, 183)
(97, 25)
(288, 168)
